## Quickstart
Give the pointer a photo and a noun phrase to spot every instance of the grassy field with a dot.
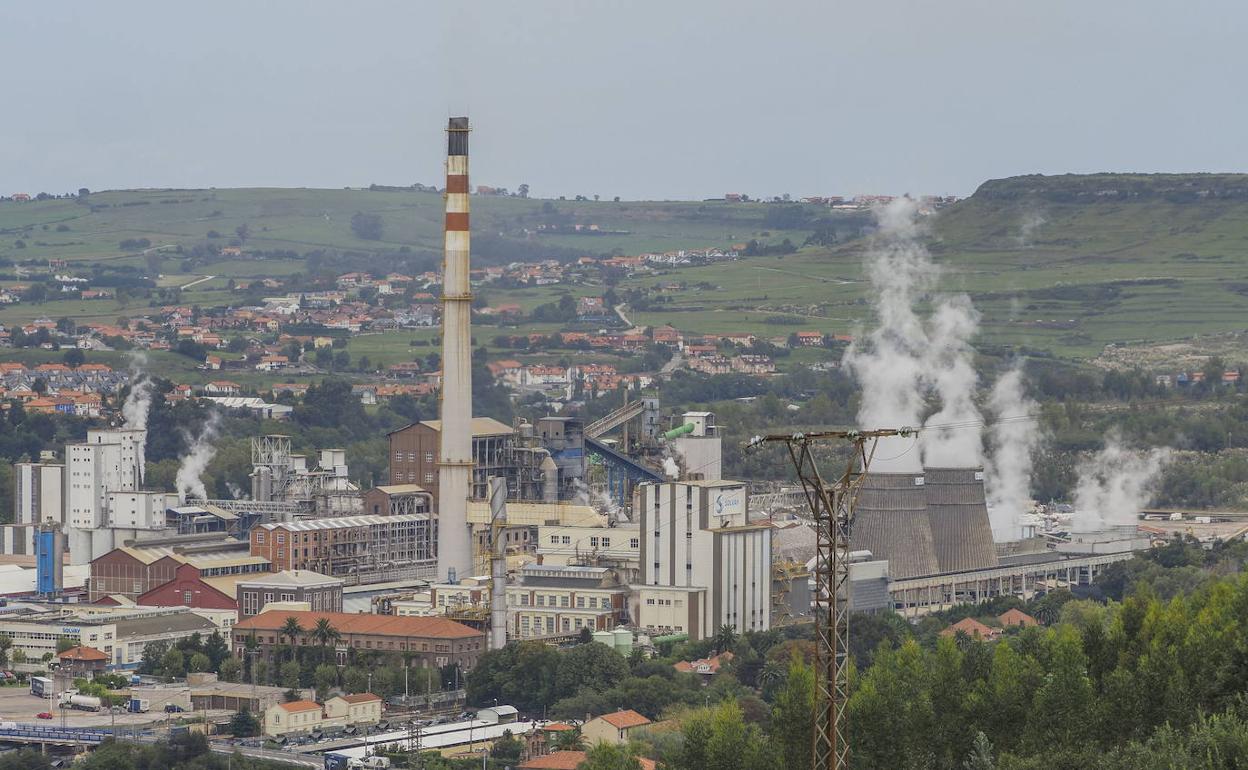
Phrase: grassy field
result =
(304, 219)
(1064, 277)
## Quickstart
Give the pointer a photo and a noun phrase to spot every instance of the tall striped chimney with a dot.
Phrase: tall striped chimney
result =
(455, 441)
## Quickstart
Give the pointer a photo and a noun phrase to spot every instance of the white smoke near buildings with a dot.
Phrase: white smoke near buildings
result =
(1116, 485)
(189, 480)
(139, 401)
(671, 468)
(889, 362)
(1014, 438)
(951, 438)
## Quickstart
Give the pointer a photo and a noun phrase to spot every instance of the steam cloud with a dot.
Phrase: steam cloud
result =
(189, 480)
(139, 402)
(671, 468)
(902, 358)
(1014, 441)
(1116, 485)
(1033, 220)
(951, 370)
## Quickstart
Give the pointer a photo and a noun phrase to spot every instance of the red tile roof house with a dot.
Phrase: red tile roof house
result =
(570, 760)
(613, 728)
(1016, 618)
(972, 628)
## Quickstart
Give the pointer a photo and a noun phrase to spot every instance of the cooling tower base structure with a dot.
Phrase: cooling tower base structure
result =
(926, 523)
(455, 442)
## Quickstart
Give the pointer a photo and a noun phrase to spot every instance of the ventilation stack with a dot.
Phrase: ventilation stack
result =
(455, 439)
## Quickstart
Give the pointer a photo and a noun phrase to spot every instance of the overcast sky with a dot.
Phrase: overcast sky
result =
(670, 99)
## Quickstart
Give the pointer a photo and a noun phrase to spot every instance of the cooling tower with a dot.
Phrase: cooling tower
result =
(958, 513)
(455, 438)
(891, 521)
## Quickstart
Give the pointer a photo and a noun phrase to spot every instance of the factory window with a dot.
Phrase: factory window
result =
(524, 600)
(259, 537)
(563, 601)
(541, 600)
(428, 478)
(566, 539)
(428, 457)
(554, 539)
(634, 542)
(606, 542)
(186, 599)
(650, 602)
(593, 542)
(580, 601)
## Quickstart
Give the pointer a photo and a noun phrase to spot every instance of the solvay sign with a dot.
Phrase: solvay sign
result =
(729, 502)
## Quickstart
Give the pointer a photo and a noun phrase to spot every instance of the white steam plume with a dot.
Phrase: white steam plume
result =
(189, 480)
(1014, 442)
(671, 468)
(139, 401)
(952, 437)
(1116, 485)
(888, 364)
(1033, 220)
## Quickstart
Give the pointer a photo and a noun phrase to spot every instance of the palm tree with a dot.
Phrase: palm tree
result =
(569, 740)
(773, 673)
(725, 638)
(291, 630)
(325, 635)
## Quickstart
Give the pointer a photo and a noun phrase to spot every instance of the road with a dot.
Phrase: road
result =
(676, 360)
(196, 282)
(619, 310)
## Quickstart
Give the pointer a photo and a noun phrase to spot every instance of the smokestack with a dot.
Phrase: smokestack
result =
(498, 563)
(455, 441)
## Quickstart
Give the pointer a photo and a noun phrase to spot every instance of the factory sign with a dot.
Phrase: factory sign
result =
(729, 502)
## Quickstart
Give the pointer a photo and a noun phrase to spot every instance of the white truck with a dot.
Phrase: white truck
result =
(75, 700)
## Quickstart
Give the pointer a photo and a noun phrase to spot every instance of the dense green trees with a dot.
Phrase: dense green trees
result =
(1118, 680)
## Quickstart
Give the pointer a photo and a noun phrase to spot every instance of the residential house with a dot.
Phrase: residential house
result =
(973, 629)
(614, 727)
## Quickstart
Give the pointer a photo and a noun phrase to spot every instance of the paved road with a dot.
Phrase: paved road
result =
(669, 367)
(196, 282)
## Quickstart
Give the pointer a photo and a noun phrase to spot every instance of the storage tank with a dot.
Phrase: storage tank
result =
(623, 640)
(606, 637)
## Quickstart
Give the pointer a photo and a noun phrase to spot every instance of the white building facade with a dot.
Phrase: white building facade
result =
(700, 548)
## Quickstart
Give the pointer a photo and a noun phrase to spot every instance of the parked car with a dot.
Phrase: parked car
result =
(43, 715)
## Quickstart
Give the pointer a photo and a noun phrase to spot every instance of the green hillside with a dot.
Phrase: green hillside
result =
(1063, 264)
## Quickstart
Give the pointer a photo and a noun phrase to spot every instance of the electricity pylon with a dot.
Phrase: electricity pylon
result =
(832, 510)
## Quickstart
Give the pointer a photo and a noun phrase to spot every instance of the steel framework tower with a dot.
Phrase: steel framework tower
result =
(455, 440)
(832, 510)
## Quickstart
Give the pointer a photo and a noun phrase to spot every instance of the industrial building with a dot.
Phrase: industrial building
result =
(497, 450)
(280, 476)
(925, 523)
(121, 634)
(38, 490)
(426, 641)
(552, 600)
(321, 593)
(704, 562)
(132, 570)
(361, 548)
(98, 471)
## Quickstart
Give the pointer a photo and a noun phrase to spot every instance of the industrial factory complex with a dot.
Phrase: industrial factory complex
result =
(487, 532)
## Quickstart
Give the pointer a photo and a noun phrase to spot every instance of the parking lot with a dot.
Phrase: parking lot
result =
(18, 705)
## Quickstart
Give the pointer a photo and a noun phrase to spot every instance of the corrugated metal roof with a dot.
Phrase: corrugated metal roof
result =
(344, 521)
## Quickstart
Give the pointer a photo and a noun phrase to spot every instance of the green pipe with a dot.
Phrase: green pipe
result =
(682, 430)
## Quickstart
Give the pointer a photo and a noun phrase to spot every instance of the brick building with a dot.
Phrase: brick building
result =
(349, 545)
(189, 588)
(414, 453)
(321, 592)
(427, 641)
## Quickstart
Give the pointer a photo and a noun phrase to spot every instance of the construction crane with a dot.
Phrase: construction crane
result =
(832, 511)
